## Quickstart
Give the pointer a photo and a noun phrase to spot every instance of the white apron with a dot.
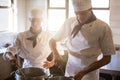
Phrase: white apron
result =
(76, 64)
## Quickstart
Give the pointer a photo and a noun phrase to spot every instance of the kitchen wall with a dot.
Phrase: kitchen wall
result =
(115, 20)
(21, 15)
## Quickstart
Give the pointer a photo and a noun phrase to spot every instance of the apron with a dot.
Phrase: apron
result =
(76, 60)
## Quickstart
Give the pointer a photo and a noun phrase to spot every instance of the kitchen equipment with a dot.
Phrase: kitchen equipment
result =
(31, 73)
(5, 68)
(61, 78)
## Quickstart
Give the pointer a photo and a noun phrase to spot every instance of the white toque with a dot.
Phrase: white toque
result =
(35, 13)
(81, 5)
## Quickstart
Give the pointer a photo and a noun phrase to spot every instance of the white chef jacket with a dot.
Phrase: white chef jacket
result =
(33, 57)
(93, 38)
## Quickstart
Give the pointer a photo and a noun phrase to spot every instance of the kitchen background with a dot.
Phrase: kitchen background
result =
(14, 19)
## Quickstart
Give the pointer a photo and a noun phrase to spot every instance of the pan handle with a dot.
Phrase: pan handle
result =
(12, 73)
(50, 76)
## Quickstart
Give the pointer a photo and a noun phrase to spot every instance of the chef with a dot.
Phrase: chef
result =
(32, 45)
(87, 38)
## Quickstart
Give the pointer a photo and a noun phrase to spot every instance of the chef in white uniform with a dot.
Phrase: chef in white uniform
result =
(33, 44)
(87, 38)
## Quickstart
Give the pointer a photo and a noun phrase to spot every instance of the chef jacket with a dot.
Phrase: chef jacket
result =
(84, 49)
(33, 57)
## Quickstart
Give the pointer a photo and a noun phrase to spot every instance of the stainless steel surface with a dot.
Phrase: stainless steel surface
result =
(30, 74)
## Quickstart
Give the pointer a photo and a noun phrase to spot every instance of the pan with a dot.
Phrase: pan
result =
(31, 73)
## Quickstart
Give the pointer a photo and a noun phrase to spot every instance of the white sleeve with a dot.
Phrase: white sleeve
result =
(106, 42)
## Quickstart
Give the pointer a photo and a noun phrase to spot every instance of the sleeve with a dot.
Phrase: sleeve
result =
(106, 42)
(15, 47)
(63, 31)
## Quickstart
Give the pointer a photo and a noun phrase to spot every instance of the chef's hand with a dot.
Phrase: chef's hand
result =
(14, 62)
(79, 75)
(48, 64)
(9, 57)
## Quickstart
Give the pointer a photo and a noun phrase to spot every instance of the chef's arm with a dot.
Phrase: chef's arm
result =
(12, 50)
(57, 57)
(50, 61)
(96, 65)
(53, 47)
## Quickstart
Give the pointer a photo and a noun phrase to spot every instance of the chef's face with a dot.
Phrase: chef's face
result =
(36, 22)
(83, 16)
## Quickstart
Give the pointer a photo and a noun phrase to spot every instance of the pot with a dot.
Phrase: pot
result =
(31, 73)
(61, 78)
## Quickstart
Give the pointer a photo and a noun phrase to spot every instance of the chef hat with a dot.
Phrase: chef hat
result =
(81, 5)
(35, 13)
